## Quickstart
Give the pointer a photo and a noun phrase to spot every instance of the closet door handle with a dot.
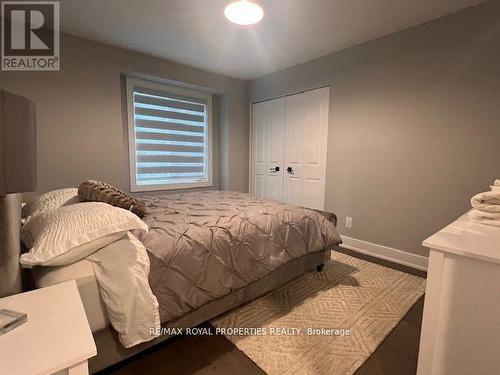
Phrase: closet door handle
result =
(275, 169)
(289, 170)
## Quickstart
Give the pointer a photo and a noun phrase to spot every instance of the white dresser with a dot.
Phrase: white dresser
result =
(461, 322)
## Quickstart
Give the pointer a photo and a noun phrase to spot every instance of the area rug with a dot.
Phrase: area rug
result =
(326, 322)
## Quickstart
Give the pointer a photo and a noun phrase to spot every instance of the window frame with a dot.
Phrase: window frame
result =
(132, 82)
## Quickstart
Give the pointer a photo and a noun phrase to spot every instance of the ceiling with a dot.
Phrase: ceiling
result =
(195, 32)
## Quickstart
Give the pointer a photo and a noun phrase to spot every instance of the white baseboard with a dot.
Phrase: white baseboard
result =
(388, 253)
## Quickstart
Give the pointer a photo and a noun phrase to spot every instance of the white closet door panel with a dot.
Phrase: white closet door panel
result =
(295, 140)
(260, 186)
(306, 134)
(259, 150)
(277, 132)
(268, 148)
(292, 190)
(314, 189)
(275, 187)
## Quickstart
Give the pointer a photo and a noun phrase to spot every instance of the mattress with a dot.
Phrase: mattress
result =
(83, 273)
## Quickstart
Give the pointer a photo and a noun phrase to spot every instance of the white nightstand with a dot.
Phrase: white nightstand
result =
(55, 339)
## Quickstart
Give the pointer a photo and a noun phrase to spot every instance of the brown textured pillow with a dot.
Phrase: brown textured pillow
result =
(98, 191)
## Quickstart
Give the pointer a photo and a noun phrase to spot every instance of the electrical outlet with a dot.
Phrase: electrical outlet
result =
(348, 222)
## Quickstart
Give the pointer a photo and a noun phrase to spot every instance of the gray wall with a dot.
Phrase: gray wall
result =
(81, 127)
(414, 121)
(414, 125)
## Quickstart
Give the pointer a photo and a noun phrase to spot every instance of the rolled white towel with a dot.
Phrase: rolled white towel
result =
(486, 215)
(487, 218)
(488, 201)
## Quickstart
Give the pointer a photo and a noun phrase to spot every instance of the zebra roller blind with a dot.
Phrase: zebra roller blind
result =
(170, 137)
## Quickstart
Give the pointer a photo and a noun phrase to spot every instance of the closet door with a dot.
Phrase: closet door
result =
(268, 133)
(306, 135)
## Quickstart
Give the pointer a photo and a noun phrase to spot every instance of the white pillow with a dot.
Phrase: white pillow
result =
(49, 201)
(70, 233)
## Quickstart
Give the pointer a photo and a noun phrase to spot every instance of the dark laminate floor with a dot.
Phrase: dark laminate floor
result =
(397, 355)
(189, 355)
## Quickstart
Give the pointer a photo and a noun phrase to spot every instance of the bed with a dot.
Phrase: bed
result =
(209, 252)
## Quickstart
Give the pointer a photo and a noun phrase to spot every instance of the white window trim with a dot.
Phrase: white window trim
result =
(130, 84)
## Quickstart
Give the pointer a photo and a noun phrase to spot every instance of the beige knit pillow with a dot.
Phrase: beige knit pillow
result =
(98, 191)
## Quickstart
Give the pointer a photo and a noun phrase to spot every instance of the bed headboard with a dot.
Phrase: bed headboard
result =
(10, 244)
(17, 174)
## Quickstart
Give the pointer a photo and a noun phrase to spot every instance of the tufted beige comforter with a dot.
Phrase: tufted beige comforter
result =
(204, 245)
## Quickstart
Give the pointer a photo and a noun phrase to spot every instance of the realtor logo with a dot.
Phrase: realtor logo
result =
(30, 35)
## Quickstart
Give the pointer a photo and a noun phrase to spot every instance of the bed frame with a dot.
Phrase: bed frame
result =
(109, 349)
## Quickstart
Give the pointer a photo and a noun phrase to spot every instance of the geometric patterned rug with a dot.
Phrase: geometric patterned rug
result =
(326, 322)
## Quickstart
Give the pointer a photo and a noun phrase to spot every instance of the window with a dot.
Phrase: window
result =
(169, 136)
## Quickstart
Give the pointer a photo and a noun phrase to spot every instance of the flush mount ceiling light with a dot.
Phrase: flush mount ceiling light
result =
(244, 12)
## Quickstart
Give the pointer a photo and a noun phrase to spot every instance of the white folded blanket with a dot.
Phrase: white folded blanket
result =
(488, 201)
(122, 271)
(483, 217)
